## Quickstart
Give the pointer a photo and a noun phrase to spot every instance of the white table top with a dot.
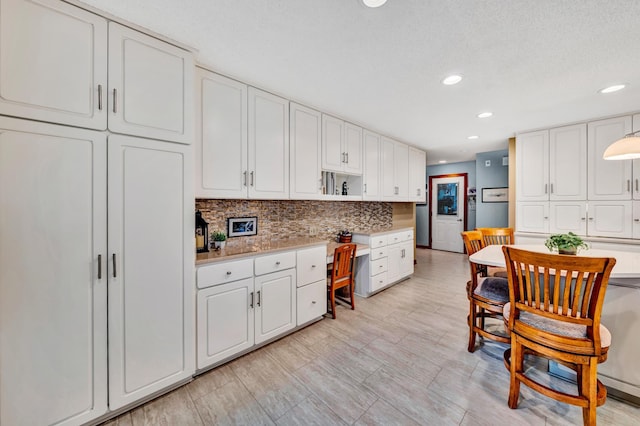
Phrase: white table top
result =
(627, 263)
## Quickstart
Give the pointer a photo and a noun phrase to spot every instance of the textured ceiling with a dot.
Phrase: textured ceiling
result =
(532, 63)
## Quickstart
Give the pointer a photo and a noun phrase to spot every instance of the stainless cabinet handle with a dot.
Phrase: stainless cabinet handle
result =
(313, 266)
(99, 97)
(347, 158)
(545, 188)
(365, 188)
(591, 219)
(251, 300)
(251, 178)
(582, 219)
(635, 220)
(258, 302)
(244, 178)
(636, 185)
(552, 188)
(343, 158)
(115, 100)
(313, 302)
(546, 217)
(628, 185)
(113, 258)
(99, 266)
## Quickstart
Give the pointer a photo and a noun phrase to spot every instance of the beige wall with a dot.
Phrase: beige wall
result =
(512, 183)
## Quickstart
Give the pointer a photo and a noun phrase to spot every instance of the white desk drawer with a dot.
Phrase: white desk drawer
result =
(224, 272)
(378, 241)
(378, 266)
(399, 237)
(378, 281)
(312, 301)
(275, 262)
(311, 265)
(378, 253)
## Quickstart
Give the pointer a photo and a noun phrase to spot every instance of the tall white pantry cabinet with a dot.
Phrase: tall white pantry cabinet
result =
(96, 253)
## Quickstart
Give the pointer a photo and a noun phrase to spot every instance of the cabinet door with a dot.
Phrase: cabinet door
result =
(311, 301)
(353, 148)
(221, 137)
(151, 303)
(532, 166)
(371, 169)
(268, 145)
(150, 87)
(333, 153)
(311, 265)
(275, 309)
(387, 167)
(53, 290)
(305, 172)
(401, 171)
(225, 321)
(568, 163)
(406, 263)
(610, 219)
(394, 262)
(636, 220)
(53, 63)
(532, 217)
(636, 163)
(568, 216)
(608, 180)
(417, 175)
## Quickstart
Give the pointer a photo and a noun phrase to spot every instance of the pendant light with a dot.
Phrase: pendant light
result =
(626, 148)
(374, 3)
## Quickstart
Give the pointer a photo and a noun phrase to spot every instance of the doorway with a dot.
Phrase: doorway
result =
(447, 211)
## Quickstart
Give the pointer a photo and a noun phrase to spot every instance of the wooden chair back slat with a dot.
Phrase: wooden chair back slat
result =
(343, 261)
(497, 236)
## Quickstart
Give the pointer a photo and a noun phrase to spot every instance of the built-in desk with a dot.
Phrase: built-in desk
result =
(620, 313)
(361, 250)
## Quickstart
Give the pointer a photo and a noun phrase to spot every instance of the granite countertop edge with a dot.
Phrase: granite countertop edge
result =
(245, 252)
(372, 232)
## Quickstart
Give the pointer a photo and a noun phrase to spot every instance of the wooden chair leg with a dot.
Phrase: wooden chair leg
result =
(589, 390)
(353, 299)
(332, 299)
(517, 358)
(472, 322)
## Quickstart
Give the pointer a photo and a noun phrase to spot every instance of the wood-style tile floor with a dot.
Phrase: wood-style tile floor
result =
(399, 359)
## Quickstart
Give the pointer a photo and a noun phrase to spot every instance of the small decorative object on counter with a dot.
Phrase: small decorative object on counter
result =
(344, 236)
(565, 243)
(345, 189)
(202, 234)
(219, 239)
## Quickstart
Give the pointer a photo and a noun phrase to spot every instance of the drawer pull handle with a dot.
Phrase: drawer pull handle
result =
(379, 266)
(258, 302)
(251, 303)
(313, 302)
(278, 263)
(99, 266)
(313, 266)
(113, 258)
(228, 272)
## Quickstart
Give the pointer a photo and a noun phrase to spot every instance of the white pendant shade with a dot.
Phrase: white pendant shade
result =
(374, 3)
(626, 148)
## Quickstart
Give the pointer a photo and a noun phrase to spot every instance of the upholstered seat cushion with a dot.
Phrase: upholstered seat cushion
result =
(497, 272)
(493, 288)
(558, 327)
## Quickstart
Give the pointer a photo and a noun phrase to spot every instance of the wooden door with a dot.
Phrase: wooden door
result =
(268, 146)
(225, 321)
(53, 63)
(568, 163)
(151, 87)
(608, 180)
(305, 171)
(221, 137)
(151, 257)
(275, 304)
(371, 167)
(353, 148)
(53, 285)
(333, 153)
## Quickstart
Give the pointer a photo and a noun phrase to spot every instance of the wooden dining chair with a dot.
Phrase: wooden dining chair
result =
(497, 236)
(342, 275)
(487, 295)
(555, 303)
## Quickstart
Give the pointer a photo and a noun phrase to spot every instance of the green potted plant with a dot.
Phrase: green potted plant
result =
(565, 243)
(219, 239)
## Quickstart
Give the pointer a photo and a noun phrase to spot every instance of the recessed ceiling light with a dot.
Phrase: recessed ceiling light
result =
(485, 114)
(442, 161)
(472, 137)
(374, 3)
(613, 88)
(451, 80)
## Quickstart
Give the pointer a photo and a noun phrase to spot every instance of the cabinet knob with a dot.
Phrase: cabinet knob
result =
(313, 266)
(313, 302)
(379, 266)
(228, 272)
(636, 220)
(278, 263)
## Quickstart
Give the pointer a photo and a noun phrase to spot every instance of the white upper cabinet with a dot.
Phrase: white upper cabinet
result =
(268, 145)
(305, 171)
(150, 239)
(221, 137)
(394, 170)
(568, 163)
(53, 63)
(341, 146)
(532, 166)
(150, 86)
(417, 175)
(636, 163)
(608, 180)
(371, 169)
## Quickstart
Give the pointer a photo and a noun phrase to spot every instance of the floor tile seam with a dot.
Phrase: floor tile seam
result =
(287, 368)
(367, 410)
(264, 411)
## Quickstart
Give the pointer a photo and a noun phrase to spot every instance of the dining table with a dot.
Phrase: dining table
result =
(620, 314)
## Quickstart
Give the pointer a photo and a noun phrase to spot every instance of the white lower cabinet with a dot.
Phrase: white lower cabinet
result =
(275, 304)
(312, 283)
(610, 219)
(225, 321)
(390, 260)
(636, 220)
(532, 216)
(568, 216)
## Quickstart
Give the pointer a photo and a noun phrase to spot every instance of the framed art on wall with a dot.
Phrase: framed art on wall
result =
(242, 226)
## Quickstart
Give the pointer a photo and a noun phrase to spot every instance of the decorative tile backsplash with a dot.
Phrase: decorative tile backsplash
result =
(279, 219)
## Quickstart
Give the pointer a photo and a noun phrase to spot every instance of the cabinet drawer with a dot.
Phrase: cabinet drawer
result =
(225, 272)
(378, 281)
(311, 265)
(275, 262)
(378, 266)
(399, 237)
(378, 241)
(312, 301)
(378, 253)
